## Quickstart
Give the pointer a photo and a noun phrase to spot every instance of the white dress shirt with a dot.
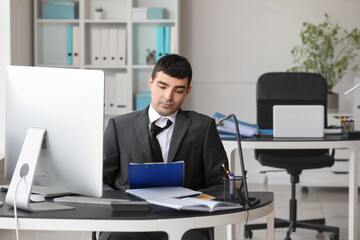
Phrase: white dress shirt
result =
(164, 137)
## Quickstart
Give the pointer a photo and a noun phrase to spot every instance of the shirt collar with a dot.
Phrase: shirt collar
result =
(154, 115)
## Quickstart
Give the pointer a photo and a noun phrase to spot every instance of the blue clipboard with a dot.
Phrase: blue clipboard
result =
(145, 175)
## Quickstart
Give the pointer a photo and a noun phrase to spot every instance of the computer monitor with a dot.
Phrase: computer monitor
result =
(53, 132)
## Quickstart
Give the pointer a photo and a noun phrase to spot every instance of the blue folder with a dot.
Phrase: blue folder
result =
(167, 40)
(160, 42)
(156, 175)
(69, 45)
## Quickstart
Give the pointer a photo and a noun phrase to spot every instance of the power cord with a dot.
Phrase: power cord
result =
(247, 218)
(15, 208)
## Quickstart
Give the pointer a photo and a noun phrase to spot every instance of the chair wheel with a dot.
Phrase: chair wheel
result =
(304, 190)
(287, 238)
(334, 236)
(248, 234)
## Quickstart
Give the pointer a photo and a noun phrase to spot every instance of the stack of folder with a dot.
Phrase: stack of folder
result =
(227, 129)
(73, 45)
(108, 46)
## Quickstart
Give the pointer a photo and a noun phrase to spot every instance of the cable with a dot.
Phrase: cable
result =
(15, 208)
(247, 219)
(246, 222)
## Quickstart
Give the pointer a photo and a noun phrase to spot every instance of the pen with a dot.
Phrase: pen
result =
(226, 171)
(228, 174)
(231, 186)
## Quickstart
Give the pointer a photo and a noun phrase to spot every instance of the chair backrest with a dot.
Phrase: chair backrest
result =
(286, 88)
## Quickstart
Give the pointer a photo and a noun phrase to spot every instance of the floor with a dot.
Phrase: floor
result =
(330, 203)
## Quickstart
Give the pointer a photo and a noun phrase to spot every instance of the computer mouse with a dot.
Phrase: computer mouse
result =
(37, 198)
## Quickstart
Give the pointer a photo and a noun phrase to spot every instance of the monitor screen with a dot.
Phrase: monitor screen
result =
(69, 105)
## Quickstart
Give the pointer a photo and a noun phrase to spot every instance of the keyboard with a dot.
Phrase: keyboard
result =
(89, 200)
(46, 192)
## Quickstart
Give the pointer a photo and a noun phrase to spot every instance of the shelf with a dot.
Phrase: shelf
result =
(143, 66)
(126, 71)
(104, 67)
(105, 21)
(73, 21)
(154, 21)
(57, 66)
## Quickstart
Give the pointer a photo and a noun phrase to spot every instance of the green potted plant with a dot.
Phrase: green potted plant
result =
(329, 50)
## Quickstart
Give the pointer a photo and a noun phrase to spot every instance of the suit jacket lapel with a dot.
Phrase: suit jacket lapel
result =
(141, 124)
(181, 126)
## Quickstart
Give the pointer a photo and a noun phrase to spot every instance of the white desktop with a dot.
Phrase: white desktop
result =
(53, 132)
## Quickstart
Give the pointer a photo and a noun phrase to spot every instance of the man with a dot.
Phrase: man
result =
(190, 137)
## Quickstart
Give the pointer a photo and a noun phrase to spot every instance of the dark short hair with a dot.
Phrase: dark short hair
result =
(175, 66)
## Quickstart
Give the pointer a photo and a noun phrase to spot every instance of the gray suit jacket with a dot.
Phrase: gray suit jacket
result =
(195, 141)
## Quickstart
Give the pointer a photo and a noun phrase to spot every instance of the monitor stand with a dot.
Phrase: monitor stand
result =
(23, 176)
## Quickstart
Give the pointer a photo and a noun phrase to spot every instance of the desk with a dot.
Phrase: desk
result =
(328, 142)
(102, 218)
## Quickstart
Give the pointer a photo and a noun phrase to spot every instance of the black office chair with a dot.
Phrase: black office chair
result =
(292, 89)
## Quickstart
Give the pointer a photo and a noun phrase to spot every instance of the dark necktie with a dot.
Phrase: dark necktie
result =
(155, 146)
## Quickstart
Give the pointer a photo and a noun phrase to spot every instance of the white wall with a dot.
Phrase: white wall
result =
(4, 61)
(230, 43)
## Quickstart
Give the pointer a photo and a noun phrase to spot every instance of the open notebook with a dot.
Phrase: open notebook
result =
(180, 198)
(195, 204)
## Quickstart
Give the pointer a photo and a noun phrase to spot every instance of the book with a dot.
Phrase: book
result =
(228, 127)
(143, 175)
(159, 193)
(195, 204)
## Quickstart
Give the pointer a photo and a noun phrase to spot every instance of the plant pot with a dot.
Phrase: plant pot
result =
(332, 102)
(150, 60)
(98, 15)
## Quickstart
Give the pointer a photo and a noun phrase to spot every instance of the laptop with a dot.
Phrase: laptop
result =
(298, 121)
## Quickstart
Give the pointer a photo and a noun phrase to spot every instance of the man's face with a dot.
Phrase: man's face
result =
(167, 93)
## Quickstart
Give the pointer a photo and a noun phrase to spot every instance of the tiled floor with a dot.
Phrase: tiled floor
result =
(330, 203)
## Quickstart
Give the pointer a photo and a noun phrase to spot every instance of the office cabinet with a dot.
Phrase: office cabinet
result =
(338, 174)
(117, 43)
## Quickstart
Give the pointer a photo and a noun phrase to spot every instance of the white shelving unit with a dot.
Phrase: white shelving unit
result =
(50, 41)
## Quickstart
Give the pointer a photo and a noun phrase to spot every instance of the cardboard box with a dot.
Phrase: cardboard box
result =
(143, 99)
(61, 10)
(139, 13)
(156, 13)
